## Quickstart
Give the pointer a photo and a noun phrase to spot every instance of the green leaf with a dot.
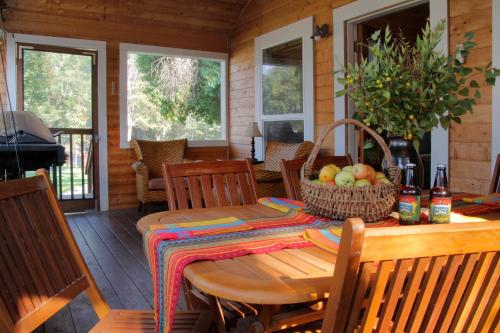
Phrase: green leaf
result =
(477, 94)
(445, 122)
(463, 92)
(469, 35)
(386, 94)
(341, 93)
(474, 84)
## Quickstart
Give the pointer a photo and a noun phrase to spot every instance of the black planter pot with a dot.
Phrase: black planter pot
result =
(403, 152)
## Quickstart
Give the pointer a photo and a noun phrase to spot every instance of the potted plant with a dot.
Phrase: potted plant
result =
(406, 90)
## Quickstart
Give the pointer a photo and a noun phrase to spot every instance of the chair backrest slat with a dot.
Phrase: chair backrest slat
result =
(495, 179)
(290, 171)
(41, 266)
(445, 278)
(211, 184)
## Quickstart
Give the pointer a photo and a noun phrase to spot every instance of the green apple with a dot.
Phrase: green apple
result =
(362, 182)
(379, 174)
(344, 178)
(381, 181)
(347, 168)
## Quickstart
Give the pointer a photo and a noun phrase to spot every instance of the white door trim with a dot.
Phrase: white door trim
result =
(360, 10)
(302, 29)
(495, 107)
(100, 47)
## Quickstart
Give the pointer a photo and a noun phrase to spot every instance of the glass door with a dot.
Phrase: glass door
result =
(59, 85)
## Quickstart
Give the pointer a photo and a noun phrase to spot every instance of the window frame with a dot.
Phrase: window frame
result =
(126, 48)
(302, 29)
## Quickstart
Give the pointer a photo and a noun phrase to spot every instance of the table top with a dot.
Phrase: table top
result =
(281, 277)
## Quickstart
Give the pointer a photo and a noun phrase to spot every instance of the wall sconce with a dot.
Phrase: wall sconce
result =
(320, 32)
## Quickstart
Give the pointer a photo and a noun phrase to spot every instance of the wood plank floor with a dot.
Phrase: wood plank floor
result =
(112, 248)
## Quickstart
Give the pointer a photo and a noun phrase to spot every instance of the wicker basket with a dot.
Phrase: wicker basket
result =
(371, 203)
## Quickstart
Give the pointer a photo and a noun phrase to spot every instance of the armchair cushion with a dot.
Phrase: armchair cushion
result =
(154, 153)
(276, 151)
(156, 184)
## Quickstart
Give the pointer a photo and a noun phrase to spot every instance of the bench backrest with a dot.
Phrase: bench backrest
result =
(427, 278)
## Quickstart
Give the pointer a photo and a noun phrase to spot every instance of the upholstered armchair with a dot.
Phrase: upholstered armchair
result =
(148, 168)
(268, 174)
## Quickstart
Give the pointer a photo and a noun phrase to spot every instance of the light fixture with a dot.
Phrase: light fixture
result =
(254, 132)
(320, 32)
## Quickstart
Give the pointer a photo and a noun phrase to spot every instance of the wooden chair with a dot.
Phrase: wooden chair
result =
(290, 170)
(42, 269)
(425, 278)
(495, 180)
(210, 184)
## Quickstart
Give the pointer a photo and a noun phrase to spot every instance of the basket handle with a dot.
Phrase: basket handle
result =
(314, 153)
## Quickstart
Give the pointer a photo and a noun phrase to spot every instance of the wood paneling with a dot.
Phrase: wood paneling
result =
(469, 142)
(190, 24)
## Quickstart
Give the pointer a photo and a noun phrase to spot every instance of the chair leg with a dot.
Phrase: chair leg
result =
(140, 206)
(145, 209)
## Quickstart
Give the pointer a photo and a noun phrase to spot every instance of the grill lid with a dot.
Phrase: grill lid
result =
(30, 128)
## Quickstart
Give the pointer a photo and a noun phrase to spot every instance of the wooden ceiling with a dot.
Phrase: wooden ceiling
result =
(207, 15)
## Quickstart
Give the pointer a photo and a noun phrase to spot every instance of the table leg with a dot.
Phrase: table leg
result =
(265, 319)
(218, 315)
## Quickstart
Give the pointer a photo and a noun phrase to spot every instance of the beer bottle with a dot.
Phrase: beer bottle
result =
(440, 198)
(409, 199)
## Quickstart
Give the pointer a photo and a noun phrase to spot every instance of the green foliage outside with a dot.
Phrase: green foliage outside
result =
(407, 90)
(282, 89)
(58, 88)
(172, 97)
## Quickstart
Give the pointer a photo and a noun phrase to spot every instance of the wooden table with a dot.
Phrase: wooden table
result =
(283, 277)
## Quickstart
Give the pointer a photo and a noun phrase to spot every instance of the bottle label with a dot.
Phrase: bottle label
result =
(409, 208)
(440, 210)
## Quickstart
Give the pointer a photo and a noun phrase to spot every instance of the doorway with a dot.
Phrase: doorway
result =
(345, 20)
(407, 22)
(59, 85)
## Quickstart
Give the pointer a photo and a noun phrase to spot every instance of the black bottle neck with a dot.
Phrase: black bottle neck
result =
(441, 179)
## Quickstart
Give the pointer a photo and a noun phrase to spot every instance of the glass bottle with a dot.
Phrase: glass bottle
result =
(440, 198)
(409, 198)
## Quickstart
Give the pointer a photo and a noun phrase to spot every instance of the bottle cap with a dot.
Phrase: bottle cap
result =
(441, 166)
(410, 165)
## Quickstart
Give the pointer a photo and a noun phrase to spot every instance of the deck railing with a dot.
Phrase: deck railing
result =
(75, 179)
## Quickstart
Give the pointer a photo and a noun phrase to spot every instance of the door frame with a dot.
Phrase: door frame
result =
(344, 21)
(495, 107)
(91, 45)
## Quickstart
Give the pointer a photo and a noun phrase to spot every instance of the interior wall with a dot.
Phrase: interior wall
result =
(470, 142)
(261, 17)
(122, 190)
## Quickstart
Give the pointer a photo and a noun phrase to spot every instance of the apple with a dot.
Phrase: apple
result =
(317, 181)
(371, 173)
(328, 172)
(345, 178)
(360, 171)
(381, 181)
(379, 174)
(330, 182)
(362, 182)
(347, 168)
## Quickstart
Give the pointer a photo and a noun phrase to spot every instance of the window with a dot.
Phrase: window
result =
(284, 84)
(172, 94)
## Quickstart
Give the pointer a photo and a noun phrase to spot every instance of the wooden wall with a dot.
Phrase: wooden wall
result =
(262, 17)
(97, 21)
(470, 143)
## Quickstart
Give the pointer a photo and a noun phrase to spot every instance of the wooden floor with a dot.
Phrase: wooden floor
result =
(112, 248)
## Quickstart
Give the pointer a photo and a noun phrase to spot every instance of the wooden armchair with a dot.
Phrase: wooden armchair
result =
(290, 171)
(268, 175)
(425, 278)
(148, 168)
(42, 268)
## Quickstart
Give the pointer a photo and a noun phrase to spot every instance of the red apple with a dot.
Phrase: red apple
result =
(371, 174)
(360, 171)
